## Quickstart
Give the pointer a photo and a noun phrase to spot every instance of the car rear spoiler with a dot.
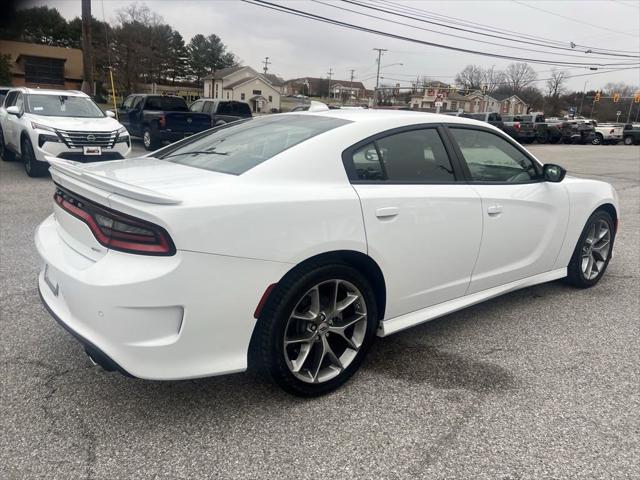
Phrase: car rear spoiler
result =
(75, 171)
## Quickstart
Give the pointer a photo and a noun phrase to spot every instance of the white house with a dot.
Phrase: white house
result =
(243, 83)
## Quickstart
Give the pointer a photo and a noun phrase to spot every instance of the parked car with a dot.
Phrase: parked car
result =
(492, 118)
(289, 242)
(160, 118)
(546, 132)
(606, 133)
(518, 128)
(36, 123)
(221, 111)
(631, 134)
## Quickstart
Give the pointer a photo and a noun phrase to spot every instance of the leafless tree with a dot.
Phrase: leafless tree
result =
(555, 84)
(493, 79)
(519, 76)
(471, 77)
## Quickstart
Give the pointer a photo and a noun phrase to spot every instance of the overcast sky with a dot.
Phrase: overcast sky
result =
(301, 47)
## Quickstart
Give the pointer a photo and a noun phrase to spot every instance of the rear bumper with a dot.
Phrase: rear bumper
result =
(162, 318)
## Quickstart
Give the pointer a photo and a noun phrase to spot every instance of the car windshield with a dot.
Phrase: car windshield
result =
(63, 106)
(240, 146)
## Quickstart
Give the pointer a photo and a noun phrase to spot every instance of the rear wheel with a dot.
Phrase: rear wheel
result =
(544, 138)
(598, 139)
(33, 167)
(316, 329)
(628, 141)
(593, 251)
(6, 154)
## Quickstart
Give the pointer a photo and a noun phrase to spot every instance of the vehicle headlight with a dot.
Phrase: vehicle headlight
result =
(37, 126)
(122, 131)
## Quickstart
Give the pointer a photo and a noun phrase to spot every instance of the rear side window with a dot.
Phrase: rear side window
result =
(494, 117)
(174, 104)
(224, 108)
(244, 109)
(491, 158)
(153, 103)
(240, 146)
(415, 156)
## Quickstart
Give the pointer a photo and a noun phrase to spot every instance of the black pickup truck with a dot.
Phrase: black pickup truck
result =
(519, 129)
(545, 132)
(160, 118)
(221, 111)
(631, 134)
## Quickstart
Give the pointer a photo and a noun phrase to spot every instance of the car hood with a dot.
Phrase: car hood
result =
(105, 124)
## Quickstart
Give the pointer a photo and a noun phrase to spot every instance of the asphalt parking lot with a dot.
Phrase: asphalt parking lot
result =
(540, 383)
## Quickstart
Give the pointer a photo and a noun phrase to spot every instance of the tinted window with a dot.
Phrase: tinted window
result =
(174, 104)
(137, 102)
(240, 146)
(63, 106)
(508, 118)
(491, 158)
(153, 103)
(225, 108)
(367, 163)
(478, 116)
(494, 117)
(196, 107)
(243, 109)
(19, 102)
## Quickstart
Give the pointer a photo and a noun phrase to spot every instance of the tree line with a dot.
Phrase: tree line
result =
(139, 46)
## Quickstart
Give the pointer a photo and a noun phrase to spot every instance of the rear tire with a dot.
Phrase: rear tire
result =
(598, 139)
(6, 154)
(300, 312)
(593, 251)
(628, 141)
(33, 167)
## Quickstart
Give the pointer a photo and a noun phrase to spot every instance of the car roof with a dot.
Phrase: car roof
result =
(374, 115)
(50, 91)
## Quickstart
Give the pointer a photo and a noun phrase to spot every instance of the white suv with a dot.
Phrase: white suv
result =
(35, 123)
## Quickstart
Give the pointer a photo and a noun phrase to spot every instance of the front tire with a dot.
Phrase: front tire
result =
(598, 139)
(6, 154)
(593, 251)
(150, 139)
(316, 329)
(32, 166)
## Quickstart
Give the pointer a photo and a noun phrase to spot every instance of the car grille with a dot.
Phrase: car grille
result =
(74, 139)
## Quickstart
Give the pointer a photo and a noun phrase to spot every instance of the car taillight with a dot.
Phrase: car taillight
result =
(516, 126)
(116, 230)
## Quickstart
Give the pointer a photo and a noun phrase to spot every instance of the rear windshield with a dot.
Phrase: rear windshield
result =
(166, 104)
(63, 106)
(240, 146)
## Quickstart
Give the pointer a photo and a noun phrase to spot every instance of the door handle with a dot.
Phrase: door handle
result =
(494, 209)
(387, 212)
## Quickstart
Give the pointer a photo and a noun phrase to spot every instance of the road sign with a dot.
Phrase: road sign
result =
(573, 110)
(618, 112)
(438, 104)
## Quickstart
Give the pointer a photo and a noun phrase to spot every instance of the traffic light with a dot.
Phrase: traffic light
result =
(636, 97)
(616, 97)
(597, 99)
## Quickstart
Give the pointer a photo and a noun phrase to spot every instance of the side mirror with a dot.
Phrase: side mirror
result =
(553, 173)
(13, 110)
(110, 114)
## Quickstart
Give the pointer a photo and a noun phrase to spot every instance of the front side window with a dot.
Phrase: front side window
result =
(240, 146)
(11, 99)
(196, 106)
(63, 106)
(128, 102)
(414, 156)
(491, 158)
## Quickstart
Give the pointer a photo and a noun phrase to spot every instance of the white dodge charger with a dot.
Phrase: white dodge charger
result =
(290, 241)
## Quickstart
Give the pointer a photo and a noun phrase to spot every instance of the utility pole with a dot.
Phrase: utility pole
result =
(379, 50)
(330, 72)
(630, 108)
(351, 84)
(584, 92)
(87, 49)
(266, 63)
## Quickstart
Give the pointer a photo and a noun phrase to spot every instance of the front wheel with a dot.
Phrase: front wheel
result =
(598, 139)
(32, 166)
(593, 251)
(150, 139)
(316, 329)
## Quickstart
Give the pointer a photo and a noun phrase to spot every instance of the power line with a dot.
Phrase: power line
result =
(371, 7)
(479, 26)
(517, 47)
(571, 19)
(300, 13)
